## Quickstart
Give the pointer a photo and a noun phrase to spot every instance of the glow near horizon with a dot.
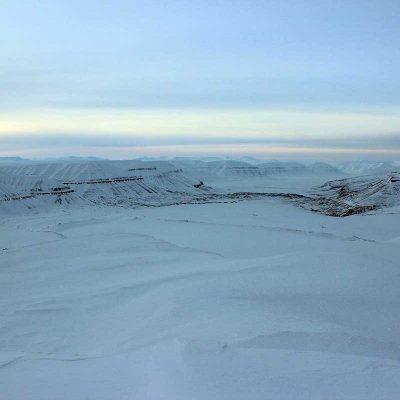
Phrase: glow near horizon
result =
(201, 122)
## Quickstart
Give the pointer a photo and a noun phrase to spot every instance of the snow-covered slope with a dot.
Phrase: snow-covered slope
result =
(135, 183)
(364, 167)
(124, 183)
(356, 195)
(239, 169)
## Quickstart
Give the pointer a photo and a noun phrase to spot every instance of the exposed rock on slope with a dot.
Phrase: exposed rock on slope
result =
(118, 183)
(158, 183)
(344, 197)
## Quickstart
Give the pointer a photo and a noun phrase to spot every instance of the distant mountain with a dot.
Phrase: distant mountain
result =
(12, 159)
(362, 167)
(240, 168)
(132, 183)
(116, 183)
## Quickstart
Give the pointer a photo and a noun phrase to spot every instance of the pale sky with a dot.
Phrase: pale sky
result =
(115, 77)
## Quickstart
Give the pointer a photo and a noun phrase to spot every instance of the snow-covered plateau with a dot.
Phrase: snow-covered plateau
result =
(202, 280)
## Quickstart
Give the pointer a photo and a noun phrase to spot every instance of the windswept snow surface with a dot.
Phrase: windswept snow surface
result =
(239, 300)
